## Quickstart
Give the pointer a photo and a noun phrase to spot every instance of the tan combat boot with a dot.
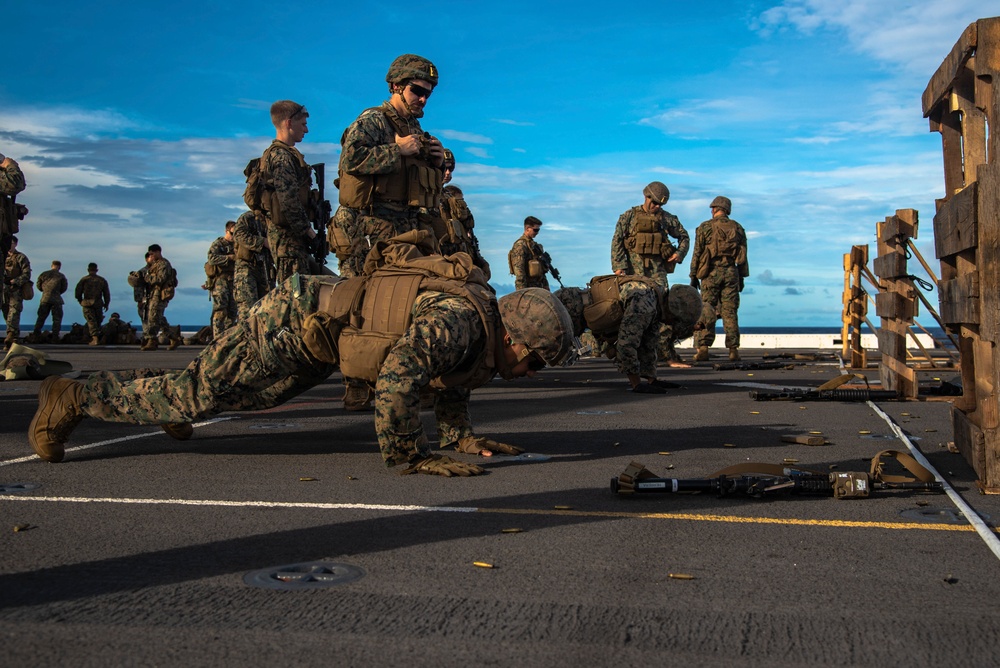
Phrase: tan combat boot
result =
(94, 341)
(57, 415)
(734, 355)
(150, 344)
(702, 354)
(174, 343)
(182, 431)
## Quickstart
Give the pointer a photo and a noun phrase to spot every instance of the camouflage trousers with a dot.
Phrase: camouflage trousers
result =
(301, 263)
(156, 320)
(223, 305)
(250, 284)
(15, 304)
(638, 332)
(438, 340)
(94, 315)
(46, 308)
(260, 363)
(720, 296)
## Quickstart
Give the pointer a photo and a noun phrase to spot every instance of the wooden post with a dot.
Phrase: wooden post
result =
(962, 102)
(855, 307)
(896, 303)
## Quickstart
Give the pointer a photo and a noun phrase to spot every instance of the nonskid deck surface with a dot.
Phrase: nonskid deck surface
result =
(140, 549)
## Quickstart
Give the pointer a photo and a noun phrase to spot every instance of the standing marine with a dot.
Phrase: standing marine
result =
(719, 264)
(527, 260)
(390, 169)
(390, 174)
(641, 245)
(51, 284)
(17, 288)
(279, 188)
(444, 329)
(161, 281)
(94, 295)
(253, 274)
(453, 222)
(11, 213)
(220, 270)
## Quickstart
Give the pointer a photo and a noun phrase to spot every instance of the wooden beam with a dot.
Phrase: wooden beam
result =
(960, 300)
(941, 82)
(955, 224)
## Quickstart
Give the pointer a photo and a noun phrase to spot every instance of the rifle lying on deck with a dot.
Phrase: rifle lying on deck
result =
(860, 394)
(771, 479)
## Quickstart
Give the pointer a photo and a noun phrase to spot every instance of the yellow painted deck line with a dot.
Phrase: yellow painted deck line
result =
(688, 517)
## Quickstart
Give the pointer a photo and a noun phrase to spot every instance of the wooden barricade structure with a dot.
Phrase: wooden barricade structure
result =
(896, 302)
(962, 102)
(855, 307)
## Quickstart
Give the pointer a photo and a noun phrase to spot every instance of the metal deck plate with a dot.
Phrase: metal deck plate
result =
(308, 575)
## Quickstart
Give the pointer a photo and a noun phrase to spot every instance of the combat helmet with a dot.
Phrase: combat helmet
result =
(723, 203)
(536, 319)
(409, 66)
(657, 192)
(572, 299)
(684, 309)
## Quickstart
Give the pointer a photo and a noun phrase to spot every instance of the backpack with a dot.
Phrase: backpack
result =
(253, 194)
(725, 241)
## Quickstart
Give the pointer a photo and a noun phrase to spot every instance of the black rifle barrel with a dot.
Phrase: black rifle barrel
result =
(824, 395)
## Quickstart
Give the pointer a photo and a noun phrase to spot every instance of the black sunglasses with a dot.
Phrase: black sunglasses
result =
(420, 91)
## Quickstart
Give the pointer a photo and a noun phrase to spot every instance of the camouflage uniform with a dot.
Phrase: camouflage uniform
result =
(263, 362)
(632, 345)
(140, 292)
(11, 183)
(17, 274)
(52, 284)
(288, 237)
(222, 256)
(720, 290)
(159, 293)
(369, 148)
(252, 275)
(95, 297)
(351, 252)
(459, 223)
(624, 257)
(524, 250)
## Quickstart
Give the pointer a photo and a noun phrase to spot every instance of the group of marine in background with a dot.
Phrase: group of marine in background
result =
(385, 192)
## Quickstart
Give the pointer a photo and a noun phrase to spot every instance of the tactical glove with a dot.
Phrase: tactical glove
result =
(442, 465)
(695, 283)
(646, 388)
(479, 445)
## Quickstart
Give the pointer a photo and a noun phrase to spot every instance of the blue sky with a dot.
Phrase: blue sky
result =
(133, 122)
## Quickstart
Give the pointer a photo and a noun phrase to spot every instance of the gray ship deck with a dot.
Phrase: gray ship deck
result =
(139, 545)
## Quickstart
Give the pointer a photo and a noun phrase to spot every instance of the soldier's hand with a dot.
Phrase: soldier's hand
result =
(619, 272)
(410, 144)
(478, 445)
(435, 150)
(695, 283)
(445, 466)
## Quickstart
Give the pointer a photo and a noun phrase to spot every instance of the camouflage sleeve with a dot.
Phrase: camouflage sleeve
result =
(63, 284)
(674, 228)
(107, 292)
(283, 170)
(370, 146)
(78, 293)
(219, 253)
(25, 276)
(699, 248)
(11, 179)
(619, 254)
(444, 333)
(245, 234)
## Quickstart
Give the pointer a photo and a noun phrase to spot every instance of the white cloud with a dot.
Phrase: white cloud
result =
(468, 137)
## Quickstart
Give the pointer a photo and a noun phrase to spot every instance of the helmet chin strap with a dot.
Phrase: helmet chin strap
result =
(414, 113)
